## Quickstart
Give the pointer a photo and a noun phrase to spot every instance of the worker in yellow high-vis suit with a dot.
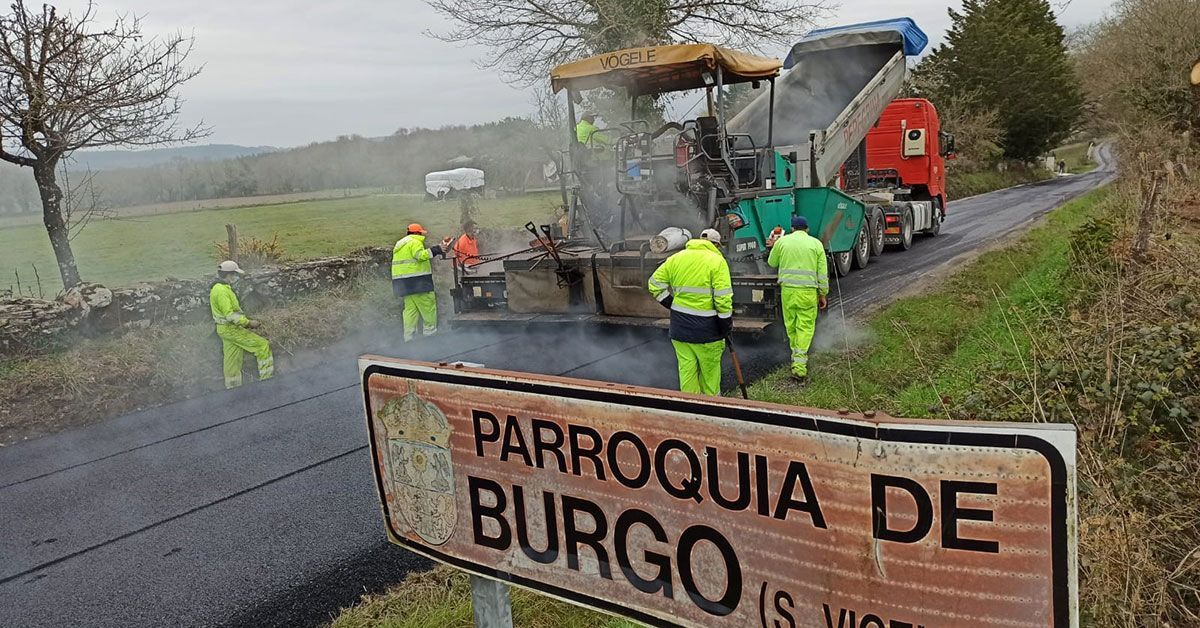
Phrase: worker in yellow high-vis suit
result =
(694, 284)
(804, 281)
(234, 327)
(412, 280)
(588, 134)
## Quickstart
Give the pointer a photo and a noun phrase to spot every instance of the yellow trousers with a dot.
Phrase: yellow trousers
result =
(699, 366)
(421, 306)
(235, 343)
(800, 320)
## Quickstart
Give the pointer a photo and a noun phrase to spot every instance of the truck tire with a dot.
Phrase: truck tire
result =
(906, 229)
(862, 246)
(842, 263)
(877, 226)
(937, 219)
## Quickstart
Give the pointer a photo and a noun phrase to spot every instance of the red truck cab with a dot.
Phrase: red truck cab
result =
(906, 149)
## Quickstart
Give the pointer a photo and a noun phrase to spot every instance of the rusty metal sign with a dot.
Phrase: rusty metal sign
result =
(679, 510)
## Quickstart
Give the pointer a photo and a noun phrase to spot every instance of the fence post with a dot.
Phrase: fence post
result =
(231, 233)
(492, 604)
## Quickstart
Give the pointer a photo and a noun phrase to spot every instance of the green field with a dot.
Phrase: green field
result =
(125, 251)
(1076, 157)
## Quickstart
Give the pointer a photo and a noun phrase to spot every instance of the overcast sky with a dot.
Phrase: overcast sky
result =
(290, 72)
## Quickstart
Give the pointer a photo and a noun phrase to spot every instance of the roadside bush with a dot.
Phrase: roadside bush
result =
(1123, 365)
(253, 252)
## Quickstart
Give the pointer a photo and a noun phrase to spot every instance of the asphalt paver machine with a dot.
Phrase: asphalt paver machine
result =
(636, 187)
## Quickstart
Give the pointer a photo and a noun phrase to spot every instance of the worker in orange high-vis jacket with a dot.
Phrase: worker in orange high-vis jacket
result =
(466, 247)
(412, 280)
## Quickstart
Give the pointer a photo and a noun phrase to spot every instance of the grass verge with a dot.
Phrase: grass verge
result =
(441, 598)
(962, 183)
(919, 355)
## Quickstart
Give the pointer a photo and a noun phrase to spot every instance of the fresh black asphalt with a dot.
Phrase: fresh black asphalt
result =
(257, 506)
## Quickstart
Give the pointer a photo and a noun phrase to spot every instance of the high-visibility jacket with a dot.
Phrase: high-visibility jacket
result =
(801, 261)
(225, 307)
(694, 283)
(466, 250)
(589, 135)
(411, 270)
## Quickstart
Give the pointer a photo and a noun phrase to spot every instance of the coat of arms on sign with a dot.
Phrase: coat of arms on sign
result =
(419, 465)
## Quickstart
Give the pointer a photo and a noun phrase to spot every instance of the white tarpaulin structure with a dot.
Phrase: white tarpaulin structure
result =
(441, 183)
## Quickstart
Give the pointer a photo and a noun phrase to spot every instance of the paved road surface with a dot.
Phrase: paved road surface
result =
(256, 506)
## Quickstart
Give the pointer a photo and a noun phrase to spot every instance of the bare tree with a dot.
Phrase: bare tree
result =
(66, 84)
(82, 201)
(531, 36)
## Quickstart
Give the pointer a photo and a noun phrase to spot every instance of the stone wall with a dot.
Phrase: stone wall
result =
(33, 325)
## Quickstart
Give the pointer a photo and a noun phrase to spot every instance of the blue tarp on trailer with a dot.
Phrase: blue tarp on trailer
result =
(915, 40)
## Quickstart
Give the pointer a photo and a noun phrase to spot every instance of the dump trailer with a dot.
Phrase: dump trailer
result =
(632, 183)
(838, 120)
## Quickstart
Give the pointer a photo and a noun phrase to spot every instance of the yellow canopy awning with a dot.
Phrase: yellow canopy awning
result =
(655, 69)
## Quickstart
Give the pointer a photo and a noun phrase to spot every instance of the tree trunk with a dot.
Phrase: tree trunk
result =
(56, 226)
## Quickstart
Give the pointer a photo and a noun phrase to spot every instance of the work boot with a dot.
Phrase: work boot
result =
(799, 380)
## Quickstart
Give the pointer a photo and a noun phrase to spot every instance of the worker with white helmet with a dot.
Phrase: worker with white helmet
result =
(694, 284)
(234, 327)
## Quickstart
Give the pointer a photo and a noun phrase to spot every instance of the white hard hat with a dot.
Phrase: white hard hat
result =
(230, 266)
(711, 235)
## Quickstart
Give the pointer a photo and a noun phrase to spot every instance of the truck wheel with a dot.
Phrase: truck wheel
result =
(862, 246)
(842, 263)
(937, 219)
(877, 226)
(906, 229)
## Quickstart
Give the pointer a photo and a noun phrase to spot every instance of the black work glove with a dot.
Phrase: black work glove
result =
(437, 250)
(725, 325)
(667, 301)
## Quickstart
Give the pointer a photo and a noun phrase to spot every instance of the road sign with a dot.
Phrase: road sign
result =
(681, 510)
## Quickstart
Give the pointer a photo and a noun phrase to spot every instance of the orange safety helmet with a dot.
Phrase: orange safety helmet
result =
(417, 228)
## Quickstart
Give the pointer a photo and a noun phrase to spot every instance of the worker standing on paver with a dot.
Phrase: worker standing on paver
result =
(587, 134)
(234, 327)
(412, 279)
(804, 281)
(466, 247)
(694, 284)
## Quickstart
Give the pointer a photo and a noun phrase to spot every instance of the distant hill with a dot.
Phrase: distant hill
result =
(513, 152)
(119, 159)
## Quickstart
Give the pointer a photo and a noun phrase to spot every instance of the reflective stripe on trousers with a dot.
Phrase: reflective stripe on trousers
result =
(235, 343)
(420, 310)
(800, 320)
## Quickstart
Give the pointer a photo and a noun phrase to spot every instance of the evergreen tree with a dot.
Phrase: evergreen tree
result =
(1011, 55)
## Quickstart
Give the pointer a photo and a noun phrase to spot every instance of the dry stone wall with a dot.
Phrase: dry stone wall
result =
(34, 325)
